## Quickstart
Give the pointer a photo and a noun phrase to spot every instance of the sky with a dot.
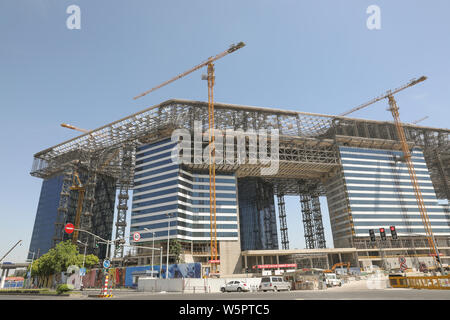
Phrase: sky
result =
(311, 56)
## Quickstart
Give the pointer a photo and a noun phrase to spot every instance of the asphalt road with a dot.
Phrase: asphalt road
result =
(351, 291)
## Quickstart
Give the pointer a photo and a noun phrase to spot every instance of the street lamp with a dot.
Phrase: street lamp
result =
(31, 268)
(153, 246)
(160, 262)
(168, 239)
(84, 259)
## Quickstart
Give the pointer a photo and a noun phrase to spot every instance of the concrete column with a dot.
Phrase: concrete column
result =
(262, 259)
(3, 279)
(5, 273)
(311, 263)
(278, 259)
(245, 262)
(328, 263)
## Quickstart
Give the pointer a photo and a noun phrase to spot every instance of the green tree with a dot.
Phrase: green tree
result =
(175, 250)
(90, 261)
(58, 259)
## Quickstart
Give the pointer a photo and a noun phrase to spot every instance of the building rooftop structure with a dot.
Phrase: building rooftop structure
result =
(309, 151)
(307, 140)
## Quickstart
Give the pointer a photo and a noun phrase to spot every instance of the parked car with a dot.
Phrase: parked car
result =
(332, 280)
(274, 284)
(235, 285)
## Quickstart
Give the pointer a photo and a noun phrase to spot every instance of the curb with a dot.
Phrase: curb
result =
(33, 294)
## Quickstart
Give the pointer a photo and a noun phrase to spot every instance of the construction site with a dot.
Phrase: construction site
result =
(386, 184)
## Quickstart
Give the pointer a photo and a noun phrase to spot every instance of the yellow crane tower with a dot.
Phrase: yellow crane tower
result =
(212, 173)
(393, 108)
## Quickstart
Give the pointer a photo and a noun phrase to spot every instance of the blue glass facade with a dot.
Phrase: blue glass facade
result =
(380, 194)
(163, 188)
(102, 218)
(44, 227)
(258, 226)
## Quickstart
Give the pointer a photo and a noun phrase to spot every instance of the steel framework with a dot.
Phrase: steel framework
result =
(283, 222)
(308, 147)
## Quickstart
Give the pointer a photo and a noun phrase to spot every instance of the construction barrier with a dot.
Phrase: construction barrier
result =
(421, 282)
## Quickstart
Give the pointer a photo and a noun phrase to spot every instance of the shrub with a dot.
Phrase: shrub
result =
(62, 288)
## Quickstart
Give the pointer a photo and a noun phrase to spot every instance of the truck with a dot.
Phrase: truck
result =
(331, 280)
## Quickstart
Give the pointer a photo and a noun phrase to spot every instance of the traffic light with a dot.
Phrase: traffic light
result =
(383, 234)
(372, 235)
(393, 233)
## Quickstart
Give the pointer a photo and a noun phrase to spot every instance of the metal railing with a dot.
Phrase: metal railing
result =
(425, 282)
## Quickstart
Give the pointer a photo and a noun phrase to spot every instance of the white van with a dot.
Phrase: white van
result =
(274, 284)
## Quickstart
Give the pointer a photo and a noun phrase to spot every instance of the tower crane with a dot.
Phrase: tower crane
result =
(212, 173)
(69, 126)
(420, 120)
(394, 109)
(385, 95)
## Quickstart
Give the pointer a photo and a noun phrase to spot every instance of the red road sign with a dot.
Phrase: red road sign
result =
(69, 228)
(136, 236)
(402, 261)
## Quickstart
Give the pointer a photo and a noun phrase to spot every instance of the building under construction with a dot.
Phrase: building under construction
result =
(356, 164)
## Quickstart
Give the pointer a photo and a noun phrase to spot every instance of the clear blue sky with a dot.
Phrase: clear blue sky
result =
(314, 56)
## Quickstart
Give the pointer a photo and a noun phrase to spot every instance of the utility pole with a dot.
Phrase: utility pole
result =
(160, 262)
(168, 240)
(153, 245)
(31, 268)
(84, 259)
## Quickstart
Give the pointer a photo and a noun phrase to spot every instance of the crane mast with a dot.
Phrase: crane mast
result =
(212, 167)
(77, 186)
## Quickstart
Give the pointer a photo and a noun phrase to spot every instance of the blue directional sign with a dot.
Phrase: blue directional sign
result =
(106, 264)
(82, 272)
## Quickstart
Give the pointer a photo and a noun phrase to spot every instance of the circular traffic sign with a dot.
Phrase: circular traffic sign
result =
(69, 228)
(136, 236)
(106, 264)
